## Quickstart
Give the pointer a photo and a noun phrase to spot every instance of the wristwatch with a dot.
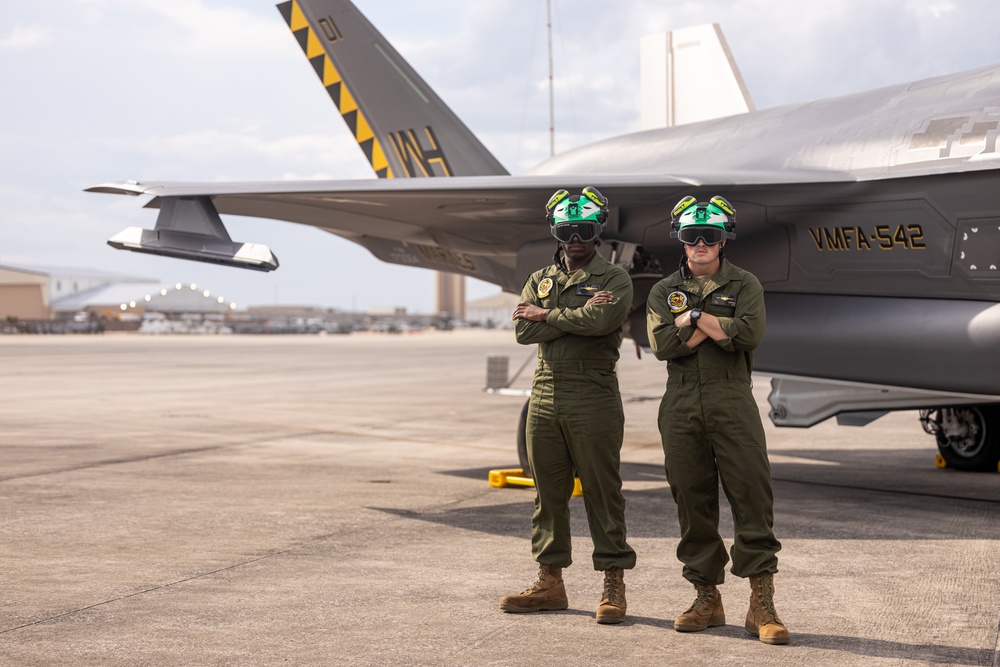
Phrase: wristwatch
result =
(695, 316)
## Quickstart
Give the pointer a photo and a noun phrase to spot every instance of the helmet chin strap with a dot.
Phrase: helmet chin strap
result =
(557, 257)
(683, 265)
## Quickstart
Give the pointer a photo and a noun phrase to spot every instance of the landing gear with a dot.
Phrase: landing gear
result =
(968, 436)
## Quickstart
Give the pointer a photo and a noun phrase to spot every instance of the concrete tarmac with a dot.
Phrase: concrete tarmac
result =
(307, 500)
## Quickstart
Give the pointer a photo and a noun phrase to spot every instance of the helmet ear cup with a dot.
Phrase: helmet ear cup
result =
(730, 213)
(554, 200)
(681, 206)
(594, 195)
(675, 215)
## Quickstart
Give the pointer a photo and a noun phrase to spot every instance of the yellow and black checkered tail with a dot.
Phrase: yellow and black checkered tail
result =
(402, 126)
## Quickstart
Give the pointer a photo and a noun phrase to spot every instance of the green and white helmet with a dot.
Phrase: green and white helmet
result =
(582, 215)
(713, 221)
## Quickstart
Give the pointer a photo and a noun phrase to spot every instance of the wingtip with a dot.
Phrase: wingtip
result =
(132, 188)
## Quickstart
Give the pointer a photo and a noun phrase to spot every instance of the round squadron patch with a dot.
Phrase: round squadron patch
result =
(678, 301)
(544, 287)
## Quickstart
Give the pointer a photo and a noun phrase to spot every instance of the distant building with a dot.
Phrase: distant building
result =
(262, 312)
(387, 311)
(493, 311)
(450, 295)
(39, 292)
(34, 294)
(41, 295)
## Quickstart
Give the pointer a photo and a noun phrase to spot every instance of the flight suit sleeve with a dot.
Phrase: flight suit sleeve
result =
(746, 327)
(528, 332)
(666, 340)
(599, 319)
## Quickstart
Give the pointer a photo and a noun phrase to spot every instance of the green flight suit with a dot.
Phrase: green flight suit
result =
(575, 416)
(710, 425)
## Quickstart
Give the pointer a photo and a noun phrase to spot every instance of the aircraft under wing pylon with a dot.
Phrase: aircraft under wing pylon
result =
(872, 219)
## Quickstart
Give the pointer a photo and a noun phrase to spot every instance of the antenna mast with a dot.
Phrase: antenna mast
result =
(552, 113)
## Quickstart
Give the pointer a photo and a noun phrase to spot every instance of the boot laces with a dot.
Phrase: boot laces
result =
(539, 582)
(611, 585)
(704, 597)
(765, 596)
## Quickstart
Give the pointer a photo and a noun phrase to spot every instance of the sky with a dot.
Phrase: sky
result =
(219, 90)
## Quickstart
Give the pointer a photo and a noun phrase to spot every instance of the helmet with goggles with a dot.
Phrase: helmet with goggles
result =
(583, 215)
(713, 221)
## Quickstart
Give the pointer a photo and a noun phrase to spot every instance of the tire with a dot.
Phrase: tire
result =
(522, 440)
(968, 437)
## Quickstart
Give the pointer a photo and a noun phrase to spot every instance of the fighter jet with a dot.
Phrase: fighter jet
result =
(872, 220)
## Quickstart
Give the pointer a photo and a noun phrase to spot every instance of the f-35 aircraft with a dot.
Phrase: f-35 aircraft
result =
(873, 221)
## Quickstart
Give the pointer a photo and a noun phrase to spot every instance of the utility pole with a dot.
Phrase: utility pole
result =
(552, 113)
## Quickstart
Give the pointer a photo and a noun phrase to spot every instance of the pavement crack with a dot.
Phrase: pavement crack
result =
(152, 589)
(116, 461)
(375, 436)
(147, 457)
(898, 492)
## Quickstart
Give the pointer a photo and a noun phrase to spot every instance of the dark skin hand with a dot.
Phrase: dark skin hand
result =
(529, 311)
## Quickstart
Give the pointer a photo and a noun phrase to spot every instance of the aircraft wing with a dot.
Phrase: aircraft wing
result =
(474, 226)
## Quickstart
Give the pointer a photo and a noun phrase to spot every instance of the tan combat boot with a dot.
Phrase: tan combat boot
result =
(547, 594)
(706, 611)
(762, 619)
(612, 607)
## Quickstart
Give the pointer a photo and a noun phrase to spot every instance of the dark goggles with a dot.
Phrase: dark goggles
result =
(587, 231)
(710, 234)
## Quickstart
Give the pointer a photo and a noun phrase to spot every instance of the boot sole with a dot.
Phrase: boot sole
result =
(554, 605)
(773, 641)
(609, 620)
(713, 622)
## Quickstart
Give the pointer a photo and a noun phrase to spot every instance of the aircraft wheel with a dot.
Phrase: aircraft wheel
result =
(968, 436)
(522, 440)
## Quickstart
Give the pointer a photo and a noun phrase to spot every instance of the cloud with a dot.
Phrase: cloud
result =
(321, 151)
(26, 38)
(939, 9)
(192, 28)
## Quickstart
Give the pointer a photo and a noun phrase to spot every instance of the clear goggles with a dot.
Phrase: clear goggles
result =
(587, 231)
(710, 234)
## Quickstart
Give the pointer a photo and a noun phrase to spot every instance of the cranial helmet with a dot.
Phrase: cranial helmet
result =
(582, 215)
(712, 221)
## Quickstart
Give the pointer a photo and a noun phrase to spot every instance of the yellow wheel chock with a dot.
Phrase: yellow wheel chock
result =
(515, 477)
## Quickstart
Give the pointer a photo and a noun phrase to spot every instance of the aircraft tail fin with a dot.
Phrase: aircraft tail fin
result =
(689, 75)
(403, 127)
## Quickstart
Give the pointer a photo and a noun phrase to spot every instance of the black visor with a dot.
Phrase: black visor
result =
(710, 234)
(587, 231)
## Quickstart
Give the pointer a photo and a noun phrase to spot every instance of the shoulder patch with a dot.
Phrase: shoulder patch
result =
(677, 301)
(544, 287)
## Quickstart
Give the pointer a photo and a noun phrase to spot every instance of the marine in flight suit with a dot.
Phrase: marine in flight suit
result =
(705, 321)
(574, 311)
